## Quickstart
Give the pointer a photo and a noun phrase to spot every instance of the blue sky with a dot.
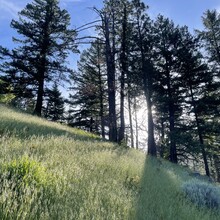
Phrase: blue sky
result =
(183, 12)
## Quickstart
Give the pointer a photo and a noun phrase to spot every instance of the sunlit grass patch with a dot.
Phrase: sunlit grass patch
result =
(24, 172)
(25, 125)
(26, 186)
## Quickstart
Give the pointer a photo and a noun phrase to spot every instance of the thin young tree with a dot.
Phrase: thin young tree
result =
(54, 108)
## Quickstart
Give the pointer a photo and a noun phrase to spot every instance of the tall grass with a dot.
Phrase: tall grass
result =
(87, 177)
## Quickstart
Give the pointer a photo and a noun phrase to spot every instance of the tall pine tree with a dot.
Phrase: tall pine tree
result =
(44, 46)
(87, 99)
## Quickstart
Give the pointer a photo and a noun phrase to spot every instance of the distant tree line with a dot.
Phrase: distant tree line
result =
(134, 56)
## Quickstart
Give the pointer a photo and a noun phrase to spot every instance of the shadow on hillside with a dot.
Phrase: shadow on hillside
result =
(24, 129)
(160, 196)
(151, 197)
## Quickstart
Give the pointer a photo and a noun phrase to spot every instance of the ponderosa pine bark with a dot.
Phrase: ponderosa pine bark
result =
(124, 70)
(101, 91)
(130, 117)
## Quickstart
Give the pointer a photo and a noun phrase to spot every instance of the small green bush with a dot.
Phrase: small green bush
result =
(202, 194)
(24, 172)
(26, 188)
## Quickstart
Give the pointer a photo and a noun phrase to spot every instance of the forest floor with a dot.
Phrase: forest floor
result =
(51, 171)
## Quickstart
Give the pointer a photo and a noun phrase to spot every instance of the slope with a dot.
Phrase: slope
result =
(51, 171)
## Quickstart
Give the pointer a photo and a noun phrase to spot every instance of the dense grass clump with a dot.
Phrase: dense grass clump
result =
(25, 172)
(202, 194)
(24, 182)
(51, 171)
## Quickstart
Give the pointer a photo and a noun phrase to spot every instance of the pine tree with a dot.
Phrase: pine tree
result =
(210, 37)
(211, 34)
(43, 47)
(108, 31)
(87, 99)
(195, 75)
(168, 86)
(54, 109)
(142, 47)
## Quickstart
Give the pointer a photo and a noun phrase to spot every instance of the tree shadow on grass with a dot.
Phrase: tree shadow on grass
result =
(160, 196)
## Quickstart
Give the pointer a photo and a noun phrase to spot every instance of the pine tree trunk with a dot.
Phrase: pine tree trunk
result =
(216, 159)
(130, 119)
(40, 93)
(204, 155)
(121, 134)
(112, 108)
(147, 81)
(42, 69)
(102, 126)
(91, 121)
(123, 72)
(151, 141)
(201, 141)
(101, 100)
(162, 139)
(147, 78)
(173, 153)
(136, 124)
(110, 58)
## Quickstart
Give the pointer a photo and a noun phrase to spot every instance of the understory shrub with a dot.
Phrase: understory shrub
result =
(202, 194)
(26, 188)
(24, 172)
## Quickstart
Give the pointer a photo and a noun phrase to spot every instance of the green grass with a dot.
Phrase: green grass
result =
(87, 177)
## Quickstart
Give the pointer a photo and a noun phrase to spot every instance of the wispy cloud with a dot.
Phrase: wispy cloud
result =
(13, 7)
(65, 2)
(9, 7)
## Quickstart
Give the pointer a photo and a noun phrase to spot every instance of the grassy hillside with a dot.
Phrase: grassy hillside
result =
(51, 171)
